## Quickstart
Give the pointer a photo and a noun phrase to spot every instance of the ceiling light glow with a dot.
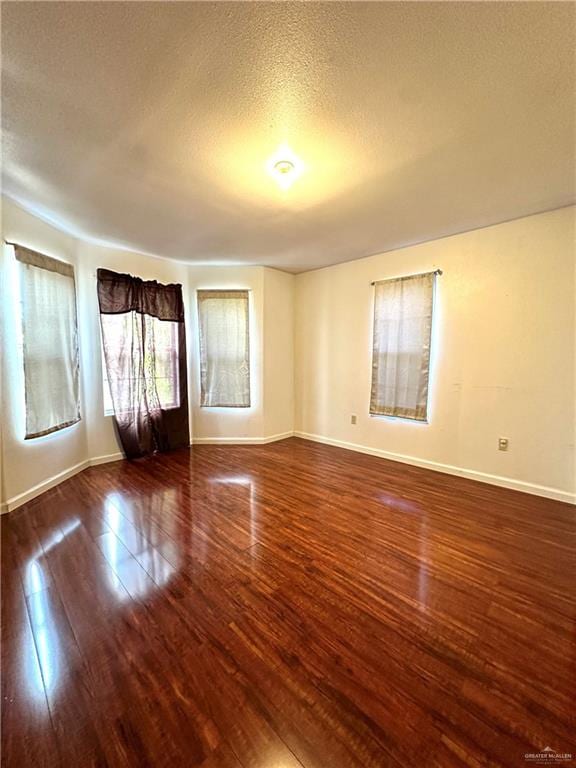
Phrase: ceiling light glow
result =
(285, 167)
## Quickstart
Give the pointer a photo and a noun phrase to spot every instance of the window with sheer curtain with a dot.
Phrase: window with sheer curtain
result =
(163, 374)
(49, 342)
(401, 346)
(144, 349)
(223, 320)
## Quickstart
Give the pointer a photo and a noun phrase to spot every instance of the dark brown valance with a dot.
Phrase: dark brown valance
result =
(144, 342)
(35, 259)
(118, 293)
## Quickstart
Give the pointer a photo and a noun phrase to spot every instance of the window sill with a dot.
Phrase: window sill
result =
(424, 422)
(127, 413)
(55, 433)
(226, 407)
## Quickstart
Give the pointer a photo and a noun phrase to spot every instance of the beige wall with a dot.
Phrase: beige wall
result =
(26, 464)
(503, 356)
(101, 438)
(233, 423)
(278, 352)
(271, 355)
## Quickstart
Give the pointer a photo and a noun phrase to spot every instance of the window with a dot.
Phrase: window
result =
(224, 349)
(50, 342)
(401, 347)
(144, 345)
(160, 359)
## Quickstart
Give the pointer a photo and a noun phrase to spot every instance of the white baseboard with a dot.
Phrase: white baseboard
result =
(45, 485)
(470, 474)
(51, 482)
(241, 440)
(16, 501)
(106, 459)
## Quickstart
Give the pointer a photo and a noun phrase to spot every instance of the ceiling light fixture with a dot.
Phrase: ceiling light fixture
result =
(285, 167)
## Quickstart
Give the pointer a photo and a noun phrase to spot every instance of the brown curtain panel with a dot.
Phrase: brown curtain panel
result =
(144, 342)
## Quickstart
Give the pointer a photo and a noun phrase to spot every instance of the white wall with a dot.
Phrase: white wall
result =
(503, 356)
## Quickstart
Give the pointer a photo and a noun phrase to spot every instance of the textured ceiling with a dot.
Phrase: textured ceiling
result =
(149, 125)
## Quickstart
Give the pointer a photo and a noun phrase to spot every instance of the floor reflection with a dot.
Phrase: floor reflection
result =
(396, 502)
(127, 543)
(44, 669)
(34, 577)
(244, 481)
(423, 566)
(47, 640)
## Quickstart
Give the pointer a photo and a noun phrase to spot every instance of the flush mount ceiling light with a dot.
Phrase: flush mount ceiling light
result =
(285, 167)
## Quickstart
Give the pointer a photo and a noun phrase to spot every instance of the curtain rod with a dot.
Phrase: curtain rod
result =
(404, 277)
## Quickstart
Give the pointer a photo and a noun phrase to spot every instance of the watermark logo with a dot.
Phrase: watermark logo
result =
(547, 756)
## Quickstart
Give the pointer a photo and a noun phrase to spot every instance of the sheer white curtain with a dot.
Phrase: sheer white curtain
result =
(156, 379)
(50, 342)
(401, 346)
(224, 349)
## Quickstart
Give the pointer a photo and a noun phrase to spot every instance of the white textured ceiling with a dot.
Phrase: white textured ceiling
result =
(148, 125)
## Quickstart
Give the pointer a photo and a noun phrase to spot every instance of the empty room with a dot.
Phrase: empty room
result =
(288, 391)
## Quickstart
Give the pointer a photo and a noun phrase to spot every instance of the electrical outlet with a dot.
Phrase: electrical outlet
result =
(353, 419)
(502, 443)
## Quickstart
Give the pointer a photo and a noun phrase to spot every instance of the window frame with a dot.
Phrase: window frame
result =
(25, 258)
(248, 343)
(108, 405)
(429, 339)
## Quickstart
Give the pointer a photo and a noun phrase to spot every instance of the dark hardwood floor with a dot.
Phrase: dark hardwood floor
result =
(285, 606)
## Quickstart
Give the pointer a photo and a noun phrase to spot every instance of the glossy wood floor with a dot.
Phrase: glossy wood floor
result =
(285, 606)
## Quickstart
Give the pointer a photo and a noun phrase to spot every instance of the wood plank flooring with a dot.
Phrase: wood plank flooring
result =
(291, 605)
